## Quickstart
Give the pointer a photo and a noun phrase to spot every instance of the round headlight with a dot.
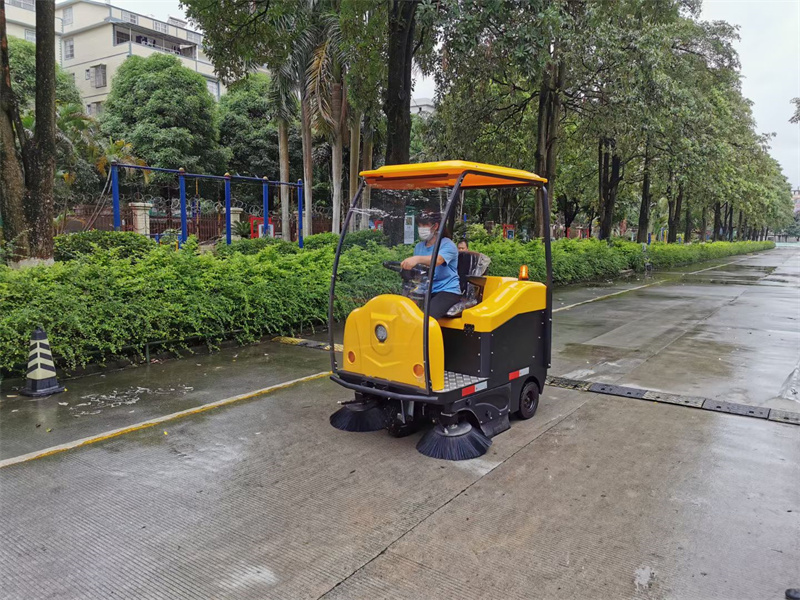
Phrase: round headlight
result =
(381, 333)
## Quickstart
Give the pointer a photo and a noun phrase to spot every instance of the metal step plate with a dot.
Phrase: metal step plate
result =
(759, 412)
(617, 390)
(456, 381)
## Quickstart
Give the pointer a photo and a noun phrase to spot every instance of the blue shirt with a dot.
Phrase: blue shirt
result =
(445, 277)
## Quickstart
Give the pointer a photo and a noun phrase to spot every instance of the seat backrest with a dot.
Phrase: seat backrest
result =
(471, 264)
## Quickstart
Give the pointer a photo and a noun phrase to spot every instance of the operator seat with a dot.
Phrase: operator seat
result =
(470, 264)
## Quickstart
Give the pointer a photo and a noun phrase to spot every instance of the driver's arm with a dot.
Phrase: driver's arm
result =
(413, 261)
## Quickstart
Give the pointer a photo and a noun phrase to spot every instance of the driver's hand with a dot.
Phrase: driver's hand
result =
(409, 263)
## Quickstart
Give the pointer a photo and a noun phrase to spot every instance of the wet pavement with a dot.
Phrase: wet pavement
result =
(99, 403)
(729, 333)
(596, 495)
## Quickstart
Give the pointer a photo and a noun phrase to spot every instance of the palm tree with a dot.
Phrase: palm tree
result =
(328, 99)
(293, 75)
(283, 98)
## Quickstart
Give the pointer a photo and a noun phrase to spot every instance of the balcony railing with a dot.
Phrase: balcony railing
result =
(26, 4)
(186, 52)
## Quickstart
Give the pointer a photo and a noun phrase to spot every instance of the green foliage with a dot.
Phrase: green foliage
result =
(165, 110)
(247, 127)
(360, 238)
(254, 246)
(105, 301)
(242, 229)
(22, 62)
(478, 233)
(664, 256)
(124, 244)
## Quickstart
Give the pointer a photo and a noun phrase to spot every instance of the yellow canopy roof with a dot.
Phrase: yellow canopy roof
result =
(445, 174)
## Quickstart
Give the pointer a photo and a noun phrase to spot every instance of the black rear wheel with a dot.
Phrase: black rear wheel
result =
(528, 400)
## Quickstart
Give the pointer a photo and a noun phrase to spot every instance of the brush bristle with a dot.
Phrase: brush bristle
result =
(359, 418)
(470, 444)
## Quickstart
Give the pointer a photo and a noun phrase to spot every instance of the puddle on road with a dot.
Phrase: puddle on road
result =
(93, 404)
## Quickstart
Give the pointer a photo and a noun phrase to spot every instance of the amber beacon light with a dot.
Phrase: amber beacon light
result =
(523, 272)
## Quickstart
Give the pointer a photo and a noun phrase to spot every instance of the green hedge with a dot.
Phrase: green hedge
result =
(101, 303)
(126, 244)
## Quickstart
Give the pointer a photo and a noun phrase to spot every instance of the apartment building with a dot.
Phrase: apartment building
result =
(94, 38)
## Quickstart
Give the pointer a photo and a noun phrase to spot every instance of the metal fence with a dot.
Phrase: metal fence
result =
(175, 213)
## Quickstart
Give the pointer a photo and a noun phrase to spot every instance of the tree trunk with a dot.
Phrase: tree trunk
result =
(12, 175)
(366, 164)
(644, 209)
(542, 138)
(687, 226)
(402, 16)
(717, 222)
(39, 202)
(703, 223)
(283, 151)
(609, 185)
(739, 226)
(730, 223)
(308, 164)
(336, 180)
(675, 217)
(355, 149)
(554, 110)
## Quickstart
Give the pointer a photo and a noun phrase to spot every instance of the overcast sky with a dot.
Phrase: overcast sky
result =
(769, 50)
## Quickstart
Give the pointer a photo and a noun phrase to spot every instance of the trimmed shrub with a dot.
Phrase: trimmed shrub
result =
(126, 243)
(99, 304)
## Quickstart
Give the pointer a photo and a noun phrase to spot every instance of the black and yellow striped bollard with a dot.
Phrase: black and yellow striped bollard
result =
(41, 378)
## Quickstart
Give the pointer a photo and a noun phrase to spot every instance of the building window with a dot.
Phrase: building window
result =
(213, 87)
(122, 37)
(194, 37)
(26, 4)
(67, 16)
(30, 35)
(88, 74)
(69, 49)
(99, 76)
(130, 17)
(159, 26)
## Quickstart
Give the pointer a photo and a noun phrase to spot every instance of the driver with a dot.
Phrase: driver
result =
(446, 287)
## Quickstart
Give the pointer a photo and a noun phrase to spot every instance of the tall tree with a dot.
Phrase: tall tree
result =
(12, 157)
(166, 111)
(28, 164)
(328, 100)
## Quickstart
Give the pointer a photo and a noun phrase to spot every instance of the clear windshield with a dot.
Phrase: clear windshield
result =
(382, 232)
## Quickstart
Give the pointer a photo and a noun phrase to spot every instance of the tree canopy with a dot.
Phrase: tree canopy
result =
(166, 111)
(22, 59)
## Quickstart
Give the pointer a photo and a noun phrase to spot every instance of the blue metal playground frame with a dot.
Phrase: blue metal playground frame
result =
(182, 175)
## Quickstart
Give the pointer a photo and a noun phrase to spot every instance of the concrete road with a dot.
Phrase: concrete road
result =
(595, 496)
(729, 332)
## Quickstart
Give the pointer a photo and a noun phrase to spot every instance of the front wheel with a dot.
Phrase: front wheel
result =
(528, 400)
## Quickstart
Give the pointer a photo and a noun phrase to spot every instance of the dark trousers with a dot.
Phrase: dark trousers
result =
(441, 303)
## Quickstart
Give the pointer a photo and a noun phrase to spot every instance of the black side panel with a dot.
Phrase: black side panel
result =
(518, 343)
(466, 352)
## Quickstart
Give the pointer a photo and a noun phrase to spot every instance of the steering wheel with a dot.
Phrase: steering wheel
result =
(415, 273)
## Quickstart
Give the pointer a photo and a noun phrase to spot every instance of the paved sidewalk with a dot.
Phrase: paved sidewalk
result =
(263, 499)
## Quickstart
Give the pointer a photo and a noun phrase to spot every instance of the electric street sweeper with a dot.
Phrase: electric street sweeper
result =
(467, 372)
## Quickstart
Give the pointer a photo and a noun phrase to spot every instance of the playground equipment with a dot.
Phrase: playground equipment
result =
(265, 182)
(466, 373)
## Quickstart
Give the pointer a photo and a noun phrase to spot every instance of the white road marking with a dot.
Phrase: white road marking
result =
(638, 287)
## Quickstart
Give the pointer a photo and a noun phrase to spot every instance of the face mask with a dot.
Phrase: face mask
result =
(424, 233)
